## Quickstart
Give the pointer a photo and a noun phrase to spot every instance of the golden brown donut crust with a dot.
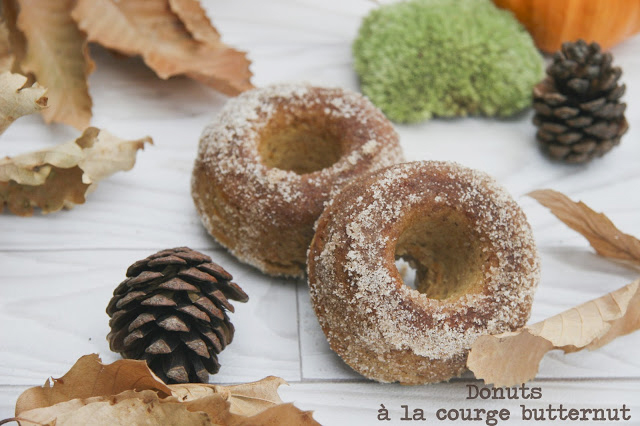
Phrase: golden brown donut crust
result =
(471, 245)
(268, 163)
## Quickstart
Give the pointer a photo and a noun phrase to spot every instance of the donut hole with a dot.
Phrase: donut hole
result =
(445, 252)
(407, 272)
(302, 146)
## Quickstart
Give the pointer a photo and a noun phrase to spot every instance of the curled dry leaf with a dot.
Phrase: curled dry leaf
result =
(195, 19)
(17, 100)
(604, 237)
(284, 414)
(247, 404)
(255, 404)
(126, 408)
(170, 46)
(246, 399)
(12, 41)
(62, 176)
(89, 378)
(126, 392)
(58, 56)
(48, 39)
(249, 399)
(512, 358)
(509, 359)
(6, 55)
(215, 406)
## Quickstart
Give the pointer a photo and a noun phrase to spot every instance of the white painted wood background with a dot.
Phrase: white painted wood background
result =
(57, 272)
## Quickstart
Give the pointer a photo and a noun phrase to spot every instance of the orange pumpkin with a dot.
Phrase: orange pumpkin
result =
(552, 22)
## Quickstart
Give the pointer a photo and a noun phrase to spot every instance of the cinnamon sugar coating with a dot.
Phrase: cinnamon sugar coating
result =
(476, 270)
(269, 162)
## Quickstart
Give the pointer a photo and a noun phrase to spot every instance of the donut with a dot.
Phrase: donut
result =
(269, 162)
(474, 256)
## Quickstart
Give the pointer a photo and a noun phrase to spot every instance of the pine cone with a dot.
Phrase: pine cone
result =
(170, 311)
(578, 110)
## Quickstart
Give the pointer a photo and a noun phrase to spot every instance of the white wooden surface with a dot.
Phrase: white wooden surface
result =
(57, 272)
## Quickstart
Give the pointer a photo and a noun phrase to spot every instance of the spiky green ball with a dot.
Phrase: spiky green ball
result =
(424, 58)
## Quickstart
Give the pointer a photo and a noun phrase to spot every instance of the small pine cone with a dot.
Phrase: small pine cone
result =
(578, 110)
(171, 312)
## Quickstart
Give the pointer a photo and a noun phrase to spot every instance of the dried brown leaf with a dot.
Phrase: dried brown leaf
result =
(58, 56)
(126, 392)
(146, 407)
(194, 391)
(602, 234)
(62, 176)
(89, 378)
(216, 407)
(246, 399)
(17, 100)
(13, 47)
(127, 408)
(512, 358)
(7, 58)
(281, 415)
(151, 29)
(196, 21)
(48, 414)
(256, 403)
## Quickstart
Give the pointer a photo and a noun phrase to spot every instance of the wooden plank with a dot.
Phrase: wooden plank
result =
(341, 403)
(318, 360)
(8, 397)
(150, 206)
(53, 304)
(571, 275)
(358, 403)
(58, 271)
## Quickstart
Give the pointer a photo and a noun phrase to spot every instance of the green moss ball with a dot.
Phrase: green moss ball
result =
(422, 58)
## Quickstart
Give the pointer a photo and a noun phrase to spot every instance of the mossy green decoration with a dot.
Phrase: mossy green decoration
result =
(424, 58)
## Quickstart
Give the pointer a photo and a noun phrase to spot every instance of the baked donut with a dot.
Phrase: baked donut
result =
(475, 260)
(268, 163)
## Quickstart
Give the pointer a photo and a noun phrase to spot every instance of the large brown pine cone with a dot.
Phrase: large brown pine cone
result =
(171, 312)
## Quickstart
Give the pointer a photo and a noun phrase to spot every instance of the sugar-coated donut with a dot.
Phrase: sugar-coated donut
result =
(268, 163)
(475, 260)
